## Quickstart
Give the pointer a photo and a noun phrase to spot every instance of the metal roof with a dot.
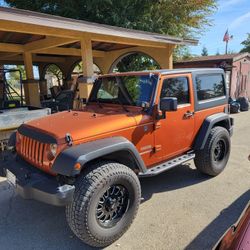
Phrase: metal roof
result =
(50, 21)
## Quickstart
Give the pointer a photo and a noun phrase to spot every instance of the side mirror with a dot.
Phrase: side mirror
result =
(168, 104)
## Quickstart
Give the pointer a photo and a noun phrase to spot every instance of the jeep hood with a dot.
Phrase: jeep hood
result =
(82, 124)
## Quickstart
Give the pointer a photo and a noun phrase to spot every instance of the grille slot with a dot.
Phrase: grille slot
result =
(32, 150)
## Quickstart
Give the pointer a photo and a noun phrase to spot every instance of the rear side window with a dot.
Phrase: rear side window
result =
(176, 87)
(210, 86)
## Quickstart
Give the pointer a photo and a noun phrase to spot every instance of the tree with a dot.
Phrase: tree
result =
(246, 44)
(182, 53)
(204, 51)
(172, 17)
(182, 18)
(54, 70)
(231, 51)
(136, 62)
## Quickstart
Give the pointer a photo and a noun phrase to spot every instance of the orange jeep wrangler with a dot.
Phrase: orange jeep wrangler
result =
(135, 124)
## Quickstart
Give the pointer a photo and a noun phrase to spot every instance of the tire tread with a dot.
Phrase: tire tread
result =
(202, 157)
(97, 175)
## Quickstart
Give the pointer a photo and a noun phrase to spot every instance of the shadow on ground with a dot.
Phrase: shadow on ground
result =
(34, 225)
(176, 178)
(212, 233)
(29, 225)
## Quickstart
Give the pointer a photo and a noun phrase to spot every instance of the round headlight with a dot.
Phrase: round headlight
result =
(53, 149)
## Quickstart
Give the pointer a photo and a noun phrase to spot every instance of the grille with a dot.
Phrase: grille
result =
(32, 150)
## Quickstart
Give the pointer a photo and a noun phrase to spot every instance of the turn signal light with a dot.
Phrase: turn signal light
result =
(77, 166)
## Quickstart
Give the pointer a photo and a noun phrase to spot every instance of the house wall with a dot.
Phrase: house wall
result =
(240, 80)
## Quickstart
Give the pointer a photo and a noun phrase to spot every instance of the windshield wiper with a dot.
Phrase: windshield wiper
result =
(122, 104)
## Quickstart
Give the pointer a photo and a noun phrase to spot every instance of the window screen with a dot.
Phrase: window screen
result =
(176, 87)
(210, 86)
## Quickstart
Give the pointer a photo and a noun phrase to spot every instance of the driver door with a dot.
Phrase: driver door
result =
(175, 132)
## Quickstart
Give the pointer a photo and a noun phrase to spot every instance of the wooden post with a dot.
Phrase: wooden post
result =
(1, 83)
(43, 86)
(85, 85)
(166, 61)
(1, 74)
(31, 87)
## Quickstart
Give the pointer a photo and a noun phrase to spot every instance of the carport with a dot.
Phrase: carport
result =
(32, 38)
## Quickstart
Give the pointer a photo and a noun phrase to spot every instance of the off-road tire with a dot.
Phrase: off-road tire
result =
(205, 159)
(91, 185)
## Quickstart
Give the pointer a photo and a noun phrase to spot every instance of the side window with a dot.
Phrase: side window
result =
(176, 87)
(210, 86)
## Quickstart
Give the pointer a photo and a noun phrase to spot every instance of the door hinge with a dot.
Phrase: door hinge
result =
(157, 148)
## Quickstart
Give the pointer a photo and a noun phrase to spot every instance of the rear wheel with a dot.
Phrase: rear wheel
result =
(213, 158)
(105, 203)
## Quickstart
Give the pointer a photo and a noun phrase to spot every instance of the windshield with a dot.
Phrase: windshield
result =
(134, 90)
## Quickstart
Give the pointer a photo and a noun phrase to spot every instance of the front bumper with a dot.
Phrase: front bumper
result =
(31, 183)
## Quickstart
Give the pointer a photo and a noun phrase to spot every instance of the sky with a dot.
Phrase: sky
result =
(233, 15)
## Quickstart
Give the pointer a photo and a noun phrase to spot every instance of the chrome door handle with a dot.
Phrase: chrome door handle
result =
(189, 114)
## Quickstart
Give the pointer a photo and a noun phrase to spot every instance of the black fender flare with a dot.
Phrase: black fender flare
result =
(208, 124)
(83, 153)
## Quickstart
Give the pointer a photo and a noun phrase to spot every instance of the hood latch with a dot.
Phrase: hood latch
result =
(68, 139)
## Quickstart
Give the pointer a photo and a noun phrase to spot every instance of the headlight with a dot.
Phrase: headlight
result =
(53, 149)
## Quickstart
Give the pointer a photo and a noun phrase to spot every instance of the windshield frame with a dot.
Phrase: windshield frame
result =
(95, 89)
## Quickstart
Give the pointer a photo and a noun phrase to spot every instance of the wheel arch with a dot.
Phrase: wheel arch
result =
(219, 119)
(124, 157)
(117, 149)
(223, 123)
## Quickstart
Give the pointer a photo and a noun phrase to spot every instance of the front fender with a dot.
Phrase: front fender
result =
(83, 153)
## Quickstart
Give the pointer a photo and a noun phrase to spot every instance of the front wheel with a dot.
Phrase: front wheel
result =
(214, 157)
(105, 203)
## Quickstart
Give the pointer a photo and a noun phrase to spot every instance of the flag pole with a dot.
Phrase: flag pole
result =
(226, 46)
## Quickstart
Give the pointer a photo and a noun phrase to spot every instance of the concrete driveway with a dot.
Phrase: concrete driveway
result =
(182, 209)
